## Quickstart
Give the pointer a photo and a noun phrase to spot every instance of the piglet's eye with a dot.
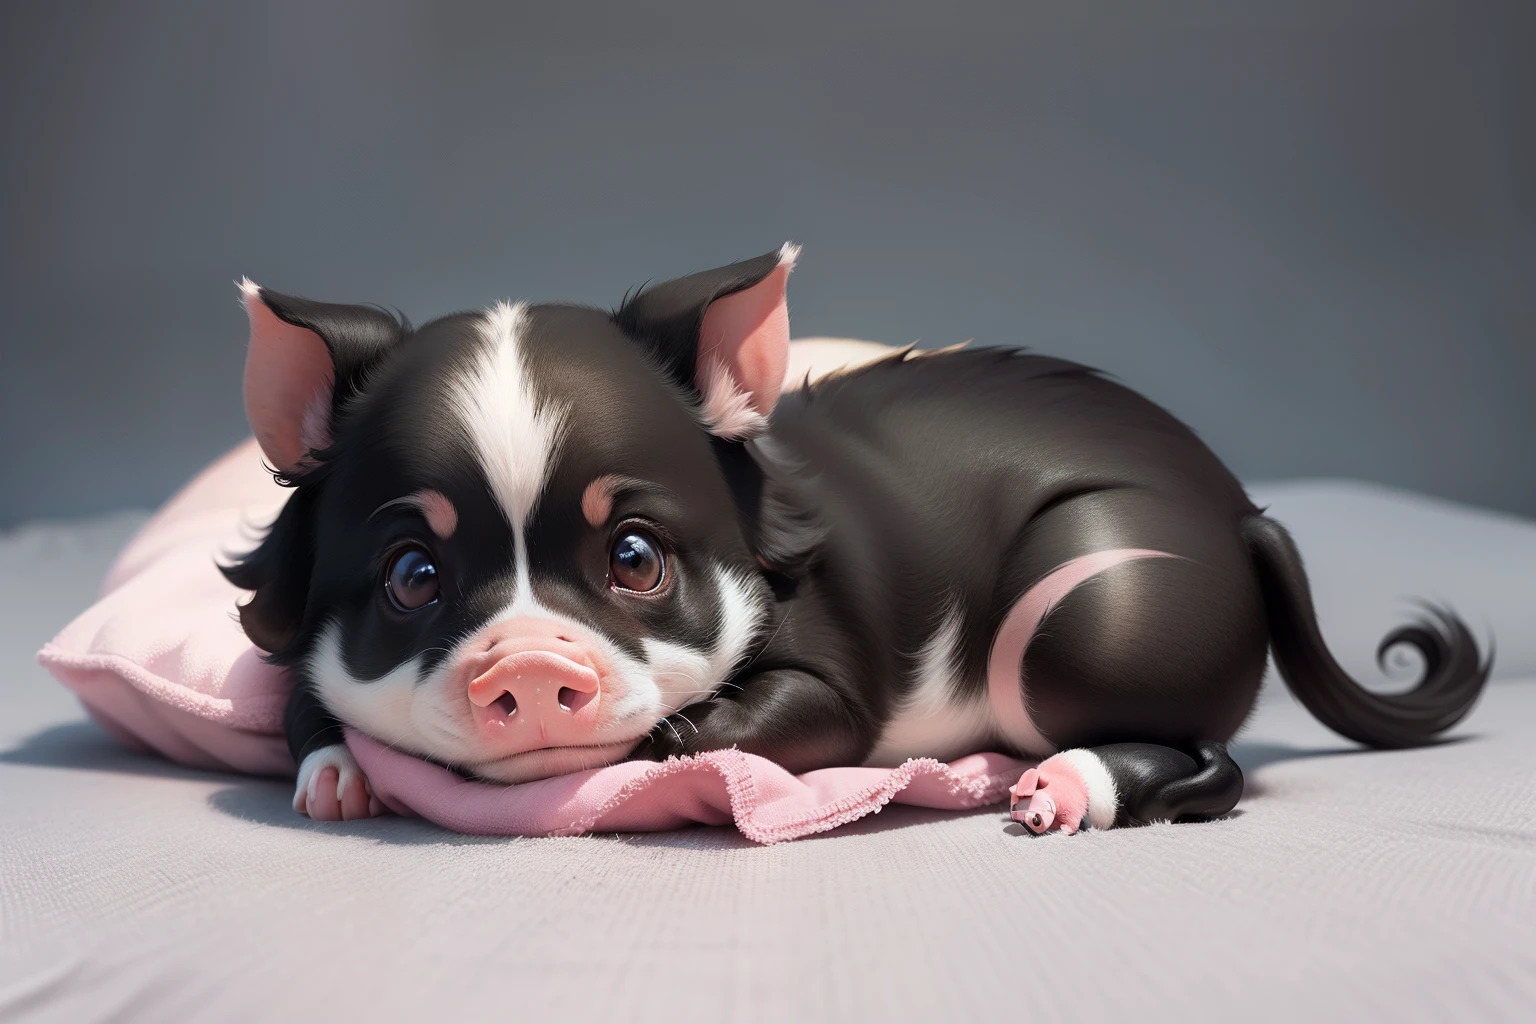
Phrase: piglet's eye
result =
(635, 563)
(412, 579)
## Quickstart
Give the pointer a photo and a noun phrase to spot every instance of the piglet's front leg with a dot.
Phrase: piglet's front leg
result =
(330, 786)
(790, 717)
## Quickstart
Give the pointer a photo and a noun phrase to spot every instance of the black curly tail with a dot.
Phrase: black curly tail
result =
(1454, 673)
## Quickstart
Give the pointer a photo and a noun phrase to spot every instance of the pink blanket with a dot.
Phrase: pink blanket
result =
(161, 663)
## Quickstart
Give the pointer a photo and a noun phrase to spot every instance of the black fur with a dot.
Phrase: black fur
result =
(308, 725)
(974, 474)
(665, 318)
(1453, 676)
(278, 573)
(878, 500)
(1158, 783)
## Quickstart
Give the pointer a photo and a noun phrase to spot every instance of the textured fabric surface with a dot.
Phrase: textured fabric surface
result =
(1388, 885)
(160, 656)
(766, 803)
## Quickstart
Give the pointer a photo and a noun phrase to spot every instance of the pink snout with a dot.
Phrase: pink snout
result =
(536, 684)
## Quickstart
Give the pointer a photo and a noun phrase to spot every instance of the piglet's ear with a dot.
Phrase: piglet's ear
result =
(724, 334)
(305, 360)
(744, 352)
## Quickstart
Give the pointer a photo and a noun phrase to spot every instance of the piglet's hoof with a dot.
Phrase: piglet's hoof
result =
(331, 787)
(1038, 814)
(1049, 798)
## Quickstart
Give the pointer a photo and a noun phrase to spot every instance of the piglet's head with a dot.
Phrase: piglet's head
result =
(516, 541)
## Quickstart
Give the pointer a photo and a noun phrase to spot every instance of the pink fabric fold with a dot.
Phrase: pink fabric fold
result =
(160, 661)
(767, 803)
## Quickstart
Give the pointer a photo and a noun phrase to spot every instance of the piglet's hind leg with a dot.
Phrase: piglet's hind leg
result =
(1058, 795)
(1126, 784)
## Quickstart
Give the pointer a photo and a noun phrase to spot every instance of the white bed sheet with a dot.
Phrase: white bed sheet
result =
(1392, 885)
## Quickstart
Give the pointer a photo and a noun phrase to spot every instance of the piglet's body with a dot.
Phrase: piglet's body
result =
(542, 538)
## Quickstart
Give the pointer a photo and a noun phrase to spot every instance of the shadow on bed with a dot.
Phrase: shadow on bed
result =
(725, 837)
(269, 802)
(84, 745)
(1250, 757)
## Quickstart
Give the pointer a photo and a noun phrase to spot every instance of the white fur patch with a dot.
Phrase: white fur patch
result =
(742, 606)
(685, 676)
(1103, 800)
(932, 720)
(385, 708)
(726, 410)
(431, 716)
(516, 437)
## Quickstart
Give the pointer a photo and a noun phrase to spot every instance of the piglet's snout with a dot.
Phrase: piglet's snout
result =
(536, 673)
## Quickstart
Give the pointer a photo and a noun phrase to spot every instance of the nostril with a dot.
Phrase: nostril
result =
(507, 703)
(573, 700)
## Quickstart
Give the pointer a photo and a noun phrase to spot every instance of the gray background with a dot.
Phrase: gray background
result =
(1307, 228)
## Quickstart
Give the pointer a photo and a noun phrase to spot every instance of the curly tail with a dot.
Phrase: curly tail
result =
(1453, 677)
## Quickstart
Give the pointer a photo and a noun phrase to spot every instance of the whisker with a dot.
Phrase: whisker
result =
(773, 636)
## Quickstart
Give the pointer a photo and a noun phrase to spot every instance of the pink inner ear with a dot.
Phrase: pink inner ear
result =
(748, 334)
(288, 380)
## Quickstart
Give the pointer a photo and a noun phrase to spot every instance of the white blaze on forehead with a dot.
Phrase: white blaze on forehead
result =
(514, 433)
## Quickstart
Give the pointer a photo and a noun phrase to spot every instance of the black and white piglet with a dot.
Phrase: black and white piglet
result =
(542, 538)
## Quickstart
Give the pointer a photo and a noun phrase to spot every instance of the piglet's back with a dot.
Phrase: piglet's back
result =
(994, 428)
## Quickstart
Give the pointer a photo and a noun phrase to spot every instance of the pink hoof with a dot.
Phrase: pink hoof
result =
(1037, 814)
(1051, 797)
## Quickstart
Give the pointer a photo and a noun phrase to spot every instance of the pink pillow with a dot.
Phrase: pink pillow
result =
(160, 661)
